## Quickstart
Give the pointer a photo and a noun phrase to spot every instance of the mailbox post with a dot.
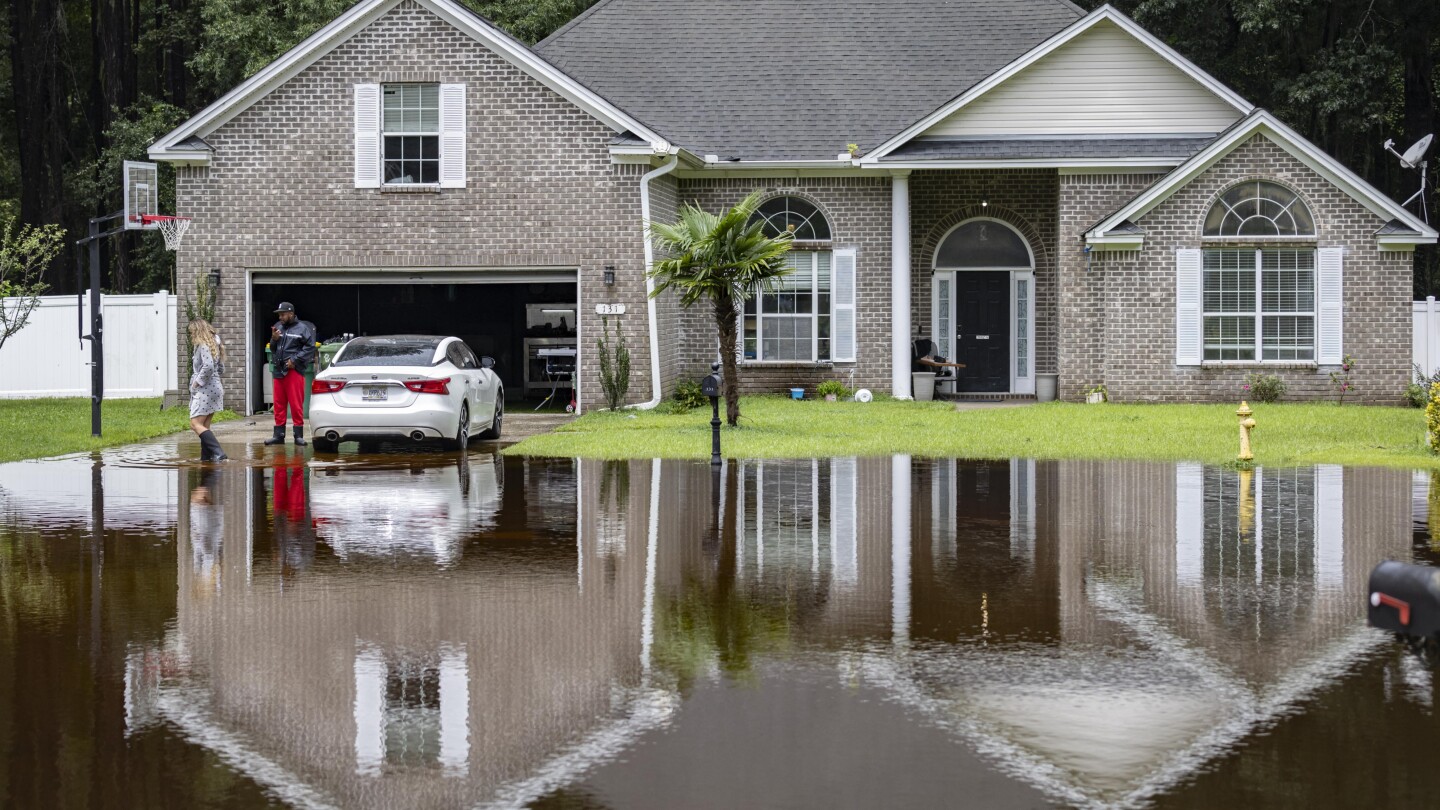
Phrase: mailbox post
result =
(710, 387)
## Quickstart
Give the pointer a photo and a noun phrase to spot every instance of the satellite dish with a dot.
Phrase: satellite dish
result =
(1416, 153)
(1414, 158)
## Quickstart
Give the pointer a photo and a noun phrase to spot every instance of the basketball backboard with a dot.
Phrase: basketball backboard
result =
(142, 194)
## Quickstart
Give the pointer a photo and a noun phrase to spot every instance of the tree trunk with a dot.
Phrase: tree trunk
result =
(725, 321)
(37, 54)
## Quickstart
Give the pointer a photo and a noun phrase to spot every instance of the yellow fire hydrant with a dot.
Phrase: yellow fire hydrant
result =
(1247, 423)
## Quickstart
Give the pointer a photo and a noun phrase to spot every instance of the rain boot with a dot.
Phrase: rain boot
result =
(212, 447)
(204, 448)
(278, 438)
(299, 436)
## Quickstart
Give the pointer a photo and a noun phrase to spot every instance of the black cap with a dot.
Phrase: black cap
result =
(285, 306)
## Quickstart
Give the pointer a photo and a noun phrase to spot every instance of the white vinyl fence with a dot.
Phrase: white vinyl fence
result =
(48, 359)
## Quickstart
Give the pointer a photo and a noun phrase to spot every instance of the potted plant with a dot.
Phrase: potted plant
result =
(1097, 395)
(831, 390)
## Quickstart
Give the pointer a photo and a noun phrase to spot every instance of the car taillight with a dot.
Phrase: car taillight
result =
(326, 386)
(429, 386)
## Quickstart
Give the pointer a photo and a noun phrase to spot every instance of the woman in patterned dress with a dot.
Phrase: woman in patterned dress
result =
(206, 395)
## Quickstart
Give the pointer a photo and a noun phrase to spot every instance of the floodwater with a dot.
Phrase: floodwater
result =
(417, 630)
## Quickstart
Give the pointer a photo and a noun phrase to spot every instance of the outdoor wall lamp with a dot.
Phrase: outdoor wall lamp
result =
(609, 275)
(214, 278)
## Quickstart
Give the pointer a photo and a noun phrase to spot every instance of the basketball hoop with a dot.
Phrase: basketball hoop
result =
(172, 228)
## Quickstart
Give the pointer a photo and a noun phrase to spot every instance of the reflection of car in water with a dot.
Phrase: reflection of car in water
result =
(415, 506)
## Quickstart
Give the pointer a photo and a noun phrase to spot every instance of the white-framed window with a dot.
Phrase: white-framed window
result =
(809, 315)
(1259, 305)
(1259, 209)
(410, 128)
(792, 321)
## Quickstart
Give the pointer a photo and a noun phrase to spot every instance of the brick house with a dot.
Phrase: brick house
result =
(1044, 194)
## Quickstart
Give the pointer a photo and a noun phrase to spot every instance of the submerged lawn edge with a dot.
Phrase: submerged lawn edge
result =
(42, 428)
(773, 427)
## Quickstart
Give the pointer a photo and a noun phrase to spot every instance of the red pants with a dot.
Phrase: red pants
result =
(290, 392)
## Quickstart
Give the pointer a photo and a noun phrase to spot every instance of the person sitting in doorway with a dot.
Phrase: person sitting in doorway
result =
(292, 350)
(924, 358)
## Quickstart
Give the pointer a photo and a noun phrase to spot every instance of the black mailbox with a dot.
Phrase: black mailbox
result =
(710, 386)
(1405, 599)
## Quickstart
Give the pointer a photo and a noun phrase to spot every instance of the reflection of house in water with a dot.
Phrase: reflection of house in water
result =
(1101, 629)
(1177, 609)
(414, 678)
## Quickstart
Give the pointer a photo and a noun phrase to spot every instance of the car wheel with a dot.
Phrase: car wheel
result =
(495, 424)
(462, 430)
(324, 445)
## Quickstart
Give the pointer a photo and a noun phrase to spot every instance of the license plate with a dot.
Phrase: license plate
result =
(376, 393)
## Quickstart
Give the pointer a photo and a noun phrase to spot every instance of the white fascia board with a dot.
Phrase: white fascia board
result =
(1147, 165)
(180, 157)
(1286, 138)
(1404, 244)
(1080, 26)
(358, 17)
(1130, 241)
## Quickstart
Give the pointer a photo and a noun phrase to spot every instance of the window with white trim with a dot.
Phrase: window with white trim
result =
(410, 125)
(1258, 209)
(792, 320)
(1259, 304)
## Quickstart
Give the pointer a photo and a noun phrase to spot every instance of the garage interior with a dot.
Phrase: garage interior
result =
(511, 322)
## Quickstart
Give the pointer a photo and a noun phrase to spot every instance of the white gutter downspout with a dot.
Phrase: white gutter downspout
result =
(665, 168)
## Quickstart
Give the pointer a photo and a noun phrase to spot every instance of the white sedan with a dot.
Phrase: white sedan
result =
(406, 387)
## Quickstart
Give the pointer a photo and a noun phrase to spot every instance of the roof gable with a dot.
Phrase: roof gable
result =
(1263, 123)
(1103, 81)
(1098, 53)
(342, 28)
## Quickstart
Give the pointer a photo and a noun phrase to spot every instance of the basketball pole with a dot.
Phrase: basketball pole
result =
(97, 325)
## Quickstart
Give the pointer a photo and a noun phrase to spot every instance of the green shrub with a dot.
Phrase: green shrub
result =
(614, 365)
(832, 387)
(1417, 393)
(1432, 419)
(688, 394)
(1265, 387)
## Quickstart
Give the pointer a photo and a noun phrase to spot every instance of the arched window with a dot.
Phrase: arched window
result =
(984, 243)
(1257, 208)
(796, 215)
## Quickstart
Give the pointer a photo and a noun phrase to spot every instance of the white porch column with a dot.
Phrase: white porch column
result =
(900, 285)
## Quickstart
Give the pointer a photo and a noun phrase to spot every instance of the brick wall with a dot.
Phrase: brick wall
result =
(1119, 318)
(541, 190)
(858, 209)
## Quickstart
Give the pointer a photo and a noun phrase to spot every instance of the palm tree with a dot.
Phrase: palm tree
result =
(723, 258)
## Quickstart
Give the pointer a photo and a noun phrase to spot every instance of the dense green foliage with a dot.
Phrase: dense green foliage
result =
(24, 252)
(87, 83)
(775, 427)
(39, 428)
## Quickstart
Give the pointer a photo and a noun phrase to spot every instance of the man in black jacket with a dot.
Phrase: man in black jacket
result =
(292, 350)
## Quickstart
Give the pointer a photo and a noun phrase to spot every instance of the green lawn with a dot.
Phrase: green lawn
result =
(774, 427)
(36, 428)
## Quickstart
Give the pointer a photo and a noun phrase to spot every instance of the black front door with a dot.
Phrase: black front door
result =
(982, 330)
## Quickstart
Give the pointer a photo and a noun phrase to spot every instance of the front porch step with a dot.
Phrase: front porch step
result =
(972, 396)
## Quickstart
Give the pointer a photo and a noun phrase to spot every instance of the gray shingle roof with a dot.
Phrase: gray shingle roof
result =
(1396, 228)
(1060, 148)
(793, 79)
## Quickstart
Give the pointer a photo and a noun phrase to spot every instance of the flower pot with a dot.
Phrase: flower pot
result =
(1046, 387)
(1095, 398)
(797, 393)
(830, 397)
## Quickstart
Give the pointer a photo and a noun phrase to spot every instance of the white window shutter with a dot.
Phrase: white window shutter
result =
(1189, 333)
(452, 136)
(842, 323)
(1329, 309)
(740, 330)
(367, 136)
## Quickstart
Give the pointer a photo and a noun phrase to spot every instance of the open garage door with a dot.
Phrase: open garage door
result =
(511, 315)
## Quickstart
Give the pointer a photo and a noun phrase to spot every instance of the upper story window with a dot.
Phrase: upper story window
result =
(1257, 209)
(796, 215)
(411, 129)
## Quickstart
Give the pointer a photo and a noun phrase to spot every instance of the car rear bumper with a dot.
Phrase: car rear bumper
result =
(425, 419)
